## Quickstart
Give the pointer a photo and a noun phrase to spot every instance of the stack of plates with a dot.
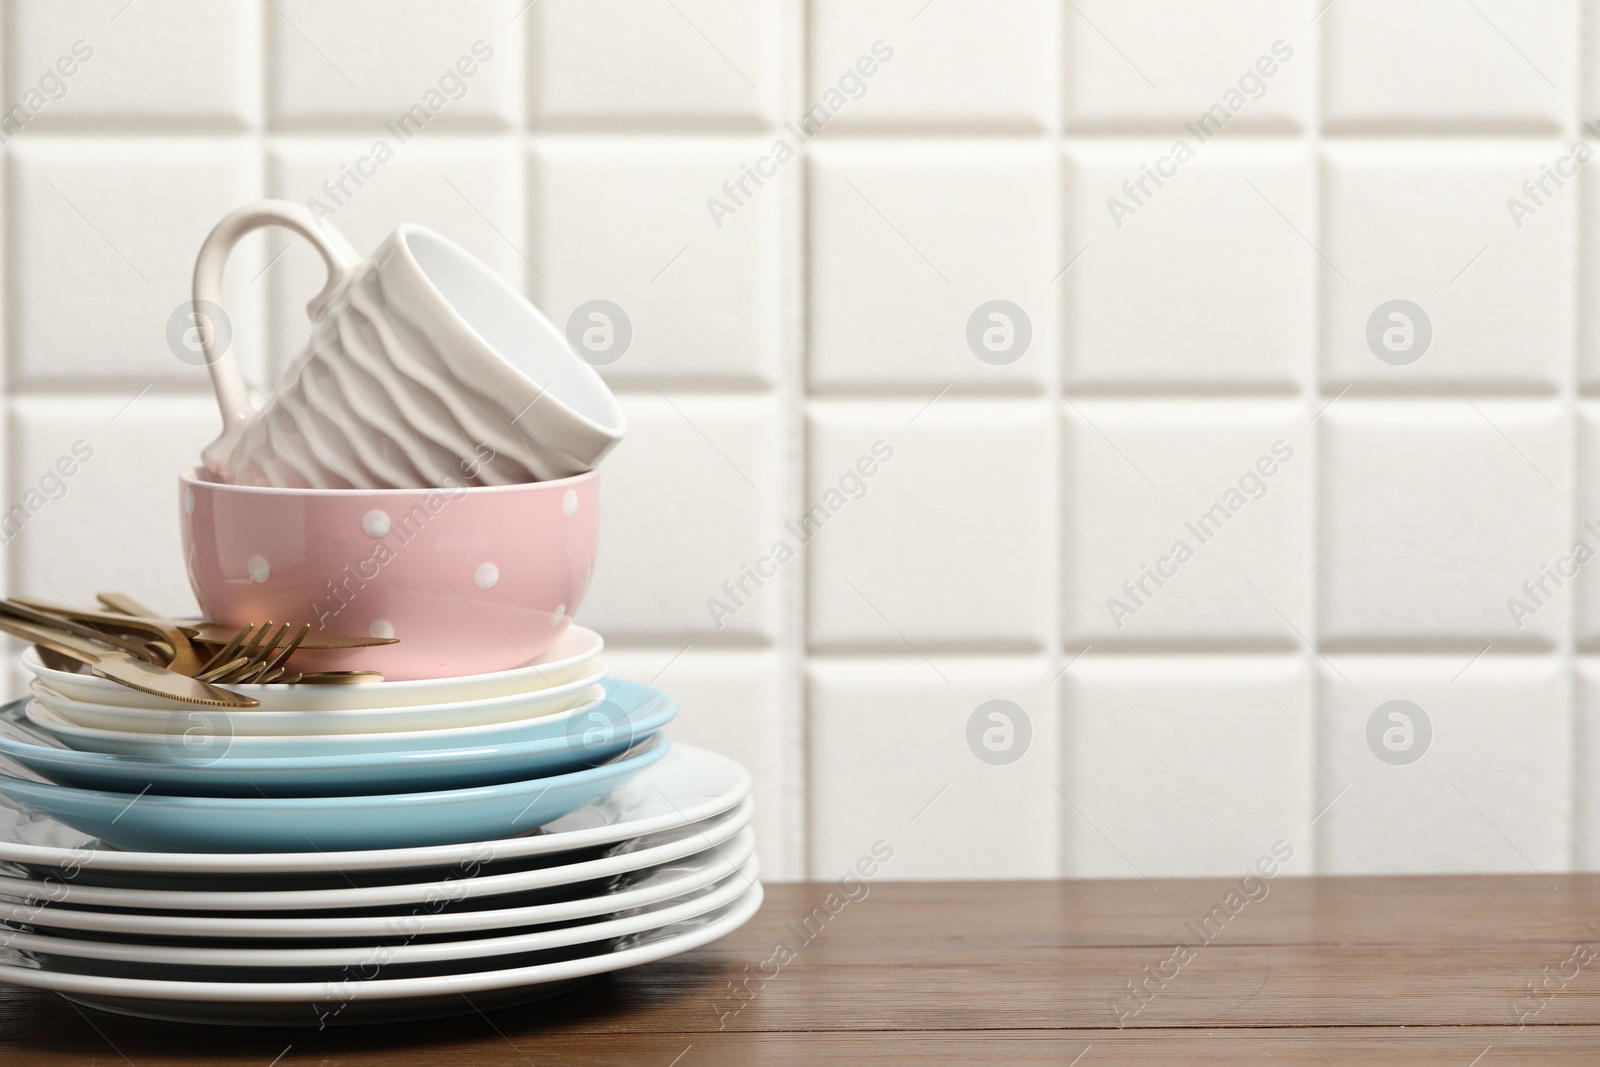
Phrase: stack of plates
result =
(345, 854)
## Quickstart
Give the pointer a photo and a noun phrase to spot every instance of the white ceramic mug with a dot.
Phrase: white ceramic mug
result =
(424, 369)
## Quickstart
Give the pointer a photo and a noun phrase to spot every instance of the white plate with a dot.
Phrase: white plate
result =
(466, 883)
(332, 1004)
(563, 662)
(690, 784)
(201, 734)
(388, 954)
(254, 722)
(634, 890)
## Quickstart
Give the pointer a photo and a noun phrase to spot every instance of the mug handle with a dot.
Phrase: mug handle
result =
(227, 379)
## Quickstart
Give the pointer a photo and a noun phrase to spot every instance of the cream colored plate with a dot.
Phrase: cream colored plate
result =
(568, 659)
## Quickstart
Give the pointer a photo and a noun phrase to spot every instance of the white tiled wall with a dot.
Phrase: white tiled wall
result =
(1195, 535)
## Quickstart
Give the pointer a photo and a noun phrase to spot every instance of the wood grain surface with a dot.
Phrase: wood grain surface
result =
(1316, 971)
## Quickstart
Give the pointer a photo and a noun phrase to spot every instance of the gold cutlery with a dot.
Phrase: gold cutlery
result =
(246, 659)
(180, 654)
(252, 655)
(212, 633)
(43, 618)
(125, 667)
(258, 662)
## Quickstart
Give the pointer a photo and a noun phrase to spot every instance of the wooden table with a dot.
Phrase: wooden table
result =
(1318, 971)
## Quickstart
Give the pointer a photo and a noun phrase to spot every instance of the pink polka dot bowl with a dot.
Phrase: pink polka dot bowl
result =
(470, 579)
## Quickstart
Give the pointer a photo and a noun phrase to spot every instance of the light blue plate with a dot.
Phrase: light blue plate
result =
(325, 824)
(629, 714)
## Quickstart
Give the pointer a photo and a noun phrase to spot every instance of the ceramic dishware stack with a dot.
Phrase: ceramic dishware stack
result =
(343, 854)
(492, 818)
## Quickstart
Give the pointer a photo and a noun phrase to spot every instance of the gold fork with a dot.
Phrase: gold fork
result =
(254, 655)
(249, 657)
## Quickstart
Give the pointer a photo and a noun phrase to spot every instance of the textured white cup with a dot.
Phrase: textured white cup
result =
(424, 368)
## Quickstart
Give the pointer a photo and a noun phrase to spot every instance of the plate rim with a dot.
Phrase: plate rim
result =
(739, 912)
(73, 858)
(34, 707)
(291, 715)
(532, 667)
(652, 749)
(333, 761)
(714, 894)
(297, 927)
(395, 894)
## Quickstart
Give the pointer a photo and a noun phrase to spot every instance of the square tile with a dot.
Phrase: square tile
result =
(414, 67)
(1435, 64)
(103, 236)
(1466, 771)
(913, 249)
(929, 529)
(89, 471)
(1432, 516)
(1430, 234)
(690, 518)
(627, 222)
(1156, 64)
(905, 63)
(176, 63)
(1185, 523)
(732, 703)
(1184, 766)
(618, 62)
(971, 796)
(470, 191)
(1199, 279)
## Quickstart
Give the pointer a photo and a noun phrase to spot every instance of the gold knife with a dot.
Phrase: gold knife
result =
(120, 667)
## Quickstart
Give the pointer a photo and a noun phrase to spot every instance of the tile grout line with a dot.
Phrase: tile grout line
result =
(1055, 694)
(10, 475)
(790, 390)
(264, 144)
(1569, 504)
(1311, 391)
